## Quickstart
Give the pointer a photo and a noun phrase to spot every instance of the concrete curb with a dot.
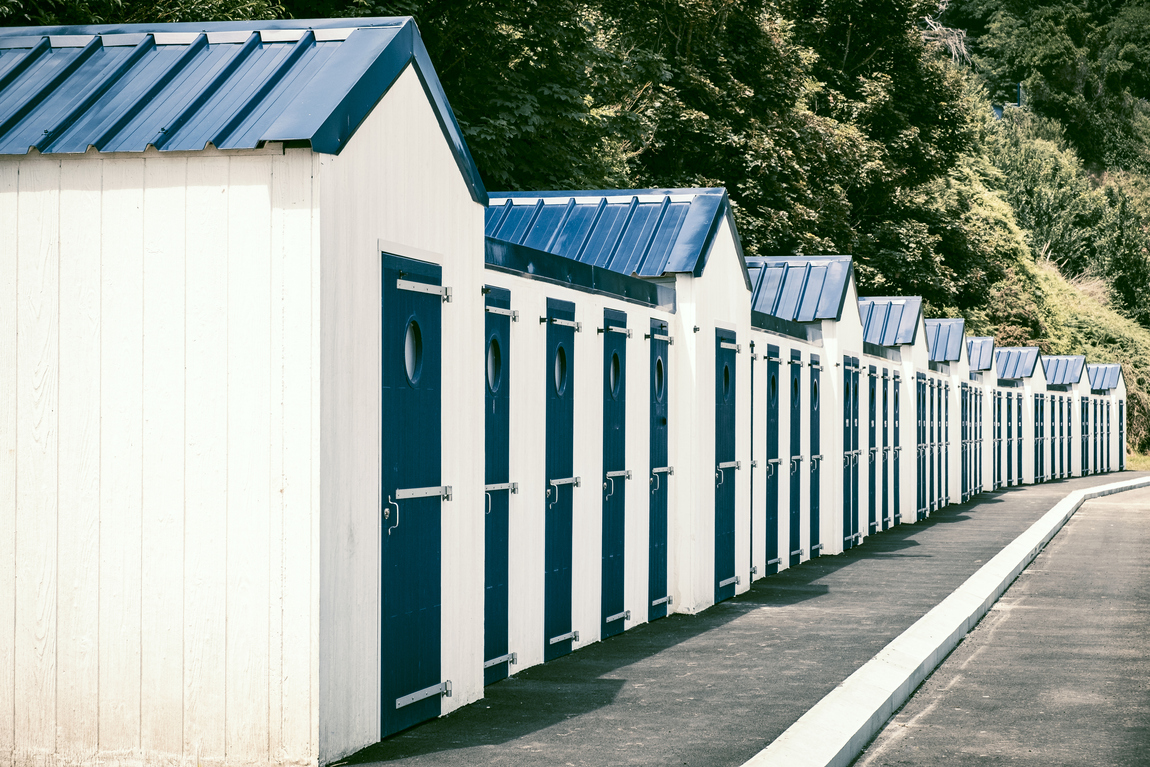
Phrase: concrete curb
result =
(839, 726)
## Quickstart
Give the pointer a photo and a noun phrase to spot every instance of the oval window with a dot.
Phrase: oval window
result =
(726, 381)
(413, 351)
(795, 389)
(494, 365)
(659, 379)
(615, 374)
(560, 370)
(773, 389)
(815, 395)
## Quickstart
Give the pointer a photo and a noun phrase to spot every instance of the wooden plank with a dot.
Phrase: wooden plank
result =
(9, 176)
(37, 390)
(292, 207)
(78, 586)
(316, 447)
(121, 363)
(205, 451)
(249, 465)
(162, 659)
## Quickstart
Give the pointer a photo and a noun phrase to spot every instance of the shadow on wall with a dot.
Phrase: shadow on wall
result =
(545, 695)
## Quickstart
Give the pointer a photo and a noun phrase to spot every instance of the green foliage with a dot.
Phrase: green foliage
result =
(74, 12)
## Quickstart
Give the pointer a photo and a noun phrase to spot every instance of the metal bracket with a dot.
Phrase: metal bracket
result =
(729, 581)
(423, 287)
(611, 477)
(614, 329)
(730, 465)
(800, 552)
(816, 547)
(658, 337)
(668, 599)
(774, 561)
(623, 616)
(754, 571)
(443, 492)
(512, 313)
(489, 489)
(754, 463)
(668, 470)
(564, 637)
(795, 362)
(578, 326)
(729, 345)
(511, 657)
(443, 688)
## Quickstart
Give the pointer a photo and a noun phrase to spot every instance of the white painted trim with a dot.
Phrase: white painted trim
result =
(407, 251)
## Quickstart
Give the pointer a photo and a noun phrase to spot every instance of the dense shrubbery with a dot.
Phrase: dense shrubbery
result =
(837, 126)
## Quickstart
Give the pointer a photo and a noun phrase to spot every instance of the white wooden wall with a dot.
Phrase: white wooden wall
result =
(396, 181)
(157, 459)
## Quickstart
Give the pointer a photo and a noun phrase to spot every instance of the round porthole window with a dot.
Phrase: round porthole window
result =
(794, 389)
(815, 395)
(726, 381)
(774, 389)
(615, 375)
(659, 379)
(494, 365)
(413, 351)
(560, 370)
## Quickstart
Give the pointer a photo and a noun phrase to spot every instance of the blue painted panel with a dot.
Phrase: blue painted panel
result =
(921, 447)
(1016, 361)
(873, 523)
(660, 377)
(1084, 458)
(411, 535)
(774, 464)
(1063, 370)
(725, 428)
(614, 492)
(884, 468)
(978, 445)
(856, 519)
(796, 464)
(816, 463)
(558, 378)
(1103, 377)
(890, 320)
(800, 288)
(980, 352)
(945, 490)
(1009, 439)
(1096, 427)
(184, 95)
(850, 453)
(497, 450)
(944, 339)
(1018, 434)
(1107, 440)
(897, 450)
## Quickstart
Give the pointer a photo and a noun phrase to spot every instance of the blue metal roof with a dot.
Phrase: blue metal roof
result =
(800, 288)
(980, 352)
(645, 232)
(1016, 361)
(1063, 369)
(235, 85)
(944, 339)
(1104, 377)
(890, 320)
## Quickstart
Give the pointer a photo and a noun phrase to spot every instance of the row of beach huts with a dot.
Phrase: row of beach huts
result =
(305, 437)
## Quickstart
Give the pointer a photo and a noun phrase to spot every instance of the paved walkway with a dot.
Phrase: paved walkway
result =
(1058, 672)
(715, 688)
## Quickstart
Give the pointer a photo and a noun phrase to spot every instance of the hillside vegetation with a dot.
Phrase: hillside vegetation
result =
(837, 127)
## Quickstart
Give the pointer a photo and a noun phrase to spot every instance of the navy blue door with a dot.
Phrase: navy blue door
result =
(872, 450)
(944, 493)
(816, 459)
(920, 430)
(796, 455)
(614, 470)
(978, 443)
(1009, 439)
(560, 482)
(897, 450)
(997, 440)
(660, 474)
(964, 439)
(725, 464)
(771, 523)
(1018, 435)
(1108, 464)
(933, 441)
(1038, 438)
(411, 405)
(1121, 435)
(497, 428)
(850, 452)
(1085, 438)
(885, 450)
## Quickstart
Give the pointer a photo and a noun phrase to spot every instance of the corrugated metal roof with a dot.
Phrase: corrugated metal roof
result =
(234, 85)
(1104, 377)
(980, 352)
(1063, 369)
(800, 288)
(1016, 361)
(645, 232)
(944, 339)
(890, 320)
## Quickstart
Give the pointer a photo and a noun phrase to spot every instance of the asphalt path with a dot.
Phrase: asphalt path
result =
(1058, 672)
(715, 688)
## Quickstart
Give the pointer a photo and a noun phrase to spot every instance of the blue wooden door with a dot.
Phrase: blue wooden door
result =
(411, 405)
(920, 430)
(872, 450)
(850, 452)
(1038, 438)
(1109, 465)
(615, 473)
(933, 442)
(944, 492)
(1084, 439)
(771, 523)
(816, 459)
(997, 440)
(559, 376)
(660, 474)
(497, 430)
(897, 511)
(978, 444)
(964, 439)
(886, 521)
(796, 455)
(1009, 439)
(725, 464)
(1018, 436)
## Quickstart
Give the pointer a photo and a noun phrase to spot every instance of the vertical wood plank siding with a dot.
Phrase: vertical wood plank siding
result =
(158, 459)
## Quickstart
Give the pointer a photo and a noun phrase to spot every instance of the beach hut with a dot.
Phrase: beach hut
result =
(948, 357)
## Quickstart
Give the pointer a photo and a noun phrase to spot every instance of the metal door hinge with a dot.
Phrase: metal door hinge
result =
(668, 599)
(611, 477)
(511, 657)
(443, 688)
(658, 337)
(577, 326)
(512, 313)
(730, 345)
(800, 552)
(614, 329)
(443, 492)
(816, 547)
(623, 616)
(423, 287)
(754, 571)
(564, 637)
(774, 561)
(730, 465)
(729, 581)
